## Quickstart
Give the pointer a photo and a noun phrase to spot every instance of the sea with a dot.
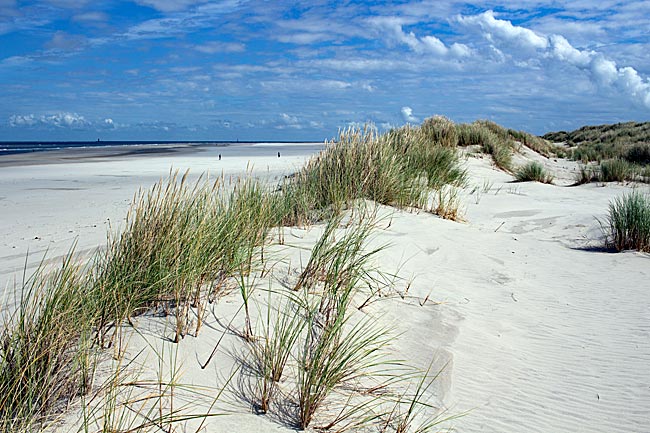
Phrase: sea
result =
(18, 147)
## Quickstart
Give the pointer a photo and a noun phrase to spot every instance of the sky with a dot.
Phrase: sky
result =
(302, 70)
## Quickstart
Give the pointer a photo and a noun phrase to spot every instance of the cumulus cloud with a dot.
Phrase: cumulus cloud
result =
(563, 50)
(288, 121)
(407, 115)
(496, 29)
(58, 120)
(603, 71)
(424, 45)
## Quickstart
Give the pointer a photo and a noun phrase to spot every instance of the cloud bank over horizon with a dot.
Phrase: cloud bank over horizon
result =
(162, 69)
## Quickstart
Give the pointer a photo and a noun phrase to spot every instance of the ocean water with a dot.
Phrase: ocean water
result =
(12, 148)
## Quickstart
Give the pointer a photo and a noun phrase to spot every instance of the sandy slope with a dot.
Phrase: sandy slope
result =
(539, 328)
(552, 335)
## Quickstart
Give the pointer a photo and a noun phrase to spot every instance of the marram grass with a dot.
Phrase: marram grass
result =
(627, 226)
(185, 242)
(533, 171)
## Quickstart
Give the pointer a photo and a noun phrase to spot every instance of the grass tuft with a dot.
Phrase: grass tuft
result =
(616, 170)
(46, 352)
(533, 171)
(628, 224)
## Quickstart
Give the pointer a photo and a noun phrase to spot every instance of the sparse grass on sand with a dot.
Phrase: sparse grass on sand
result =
(627, 226)
(533, 171)
(586, 174)
(343, 377)
(46, 352)
(184, 243)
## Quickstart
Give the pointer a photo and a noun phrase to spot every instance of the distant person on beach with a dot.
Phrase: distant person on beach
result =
(278, 154)
(219, 157)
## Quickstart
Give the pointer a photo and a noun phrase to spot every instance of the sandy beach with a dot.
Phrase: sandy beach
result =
(51, 200)
(537, 327)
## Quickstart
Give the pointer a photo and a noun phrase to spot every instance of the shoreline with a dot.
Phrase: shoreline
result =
(98, 153)
(53, 199)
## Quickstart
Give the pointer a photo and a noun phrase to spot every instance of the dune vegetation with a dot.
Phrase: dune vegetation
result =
(533, 171)
(627, 226)
(621, 151)
(185, 244)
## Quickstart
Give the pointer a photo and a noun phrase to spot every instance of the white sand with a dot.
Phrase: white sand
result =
(77, 195)
(541, 330)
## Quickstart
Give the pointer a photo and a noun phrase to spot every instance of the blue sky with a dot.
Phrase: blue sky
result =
(186, 69)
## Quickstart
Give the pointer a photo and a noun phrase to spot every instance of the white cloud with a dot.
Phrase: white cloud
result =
(304, 38)
(59, 120)
(288, 121)
(65, 41)
(407, 115)
(563, 50)
(504, 30)
(631, 83)
(18, 120)
(425, 45)
(602, 71)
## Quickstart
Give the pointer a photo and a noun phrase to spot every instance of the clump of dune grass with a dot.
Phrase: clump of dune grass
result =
(492, 140)
(533, 171)
(616, 170)
(428, 154)
(628, 224)
(181, 244)
(440, 130)
(282, 327)
(339, 348)
(538, 144)
(399, 168)
(46, 352)
(340, 354)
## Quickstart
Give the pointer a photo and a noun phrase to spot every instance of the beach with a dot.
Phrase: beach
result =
(56, 199)
(532, 324)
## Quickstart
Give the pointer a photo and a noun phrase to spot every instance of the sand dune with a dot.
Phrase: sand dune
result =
(538, 329)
